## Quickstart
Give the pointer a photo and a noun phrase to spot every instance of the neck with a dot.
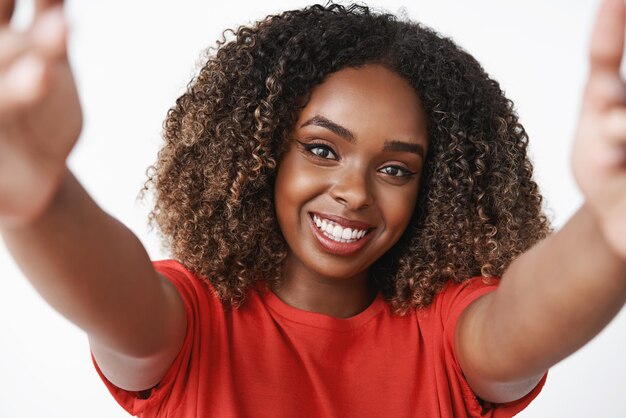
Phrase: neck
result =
(340, 298)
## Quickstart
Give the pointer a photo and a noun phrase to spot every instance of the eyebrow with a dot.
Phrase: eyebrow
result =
(405, 147)
(393, 145)
(323, 122)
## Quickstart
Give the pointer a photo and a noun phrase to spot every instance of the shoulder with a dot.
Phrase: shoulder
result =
(454, 296)
(439, 319)
(202, 309)
(174, 270)
(443, 318)
(191, 287)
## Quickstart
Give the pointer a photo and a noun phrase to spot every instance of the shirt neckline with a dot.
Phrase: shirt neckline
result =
(319, 320)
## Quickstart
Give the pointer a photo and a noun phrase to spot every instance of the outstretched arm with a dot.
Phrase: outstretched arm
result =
(558, 295)
(87, 265)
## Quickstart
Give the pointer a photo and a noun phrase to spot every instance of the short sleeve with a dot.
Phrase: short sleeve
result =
(453, 300)
(168, 392)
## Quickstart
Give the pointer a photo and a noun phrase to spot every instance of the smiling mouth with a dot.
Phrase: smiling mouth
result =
(336, 232)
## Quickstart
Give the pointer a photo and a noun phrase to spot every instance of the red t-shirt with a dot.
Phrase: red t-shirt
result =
(268, 359)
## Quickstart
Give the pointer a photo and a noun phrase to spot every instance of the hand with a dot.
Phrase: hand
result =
(40, 115)
(599, 153)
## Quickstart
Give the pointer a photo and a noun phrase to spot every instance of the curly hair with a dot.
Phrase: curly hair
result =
(478, 206)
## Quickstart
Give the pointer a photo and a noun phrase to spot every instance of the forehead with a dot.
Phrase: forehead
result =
(368, 99)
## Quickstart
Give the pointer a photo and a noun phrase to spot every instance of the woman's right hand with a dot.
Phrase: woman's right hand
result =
(40, 114)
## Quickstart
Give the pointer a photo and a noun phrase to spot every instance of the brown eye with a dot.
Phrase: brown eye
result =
(395, 171)
(321, 151)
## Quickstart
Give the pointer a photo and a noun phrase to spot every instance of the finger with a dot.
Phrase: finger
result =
(13, 45)
(23, 83)
(604, 91)
(616, 133)
(607, 39)
(49, 33)
(43, 5)
(48, 37)
(6, 11)
(609, 154)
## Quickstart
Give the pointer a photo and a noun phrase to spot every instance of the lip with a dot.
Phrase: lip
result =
(340, 248)
(345, 223)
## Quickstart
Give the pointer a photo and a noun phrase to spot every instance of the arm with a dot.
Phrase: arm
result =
(96, 273)
(552, 300)
(83, 262)
(558, 295)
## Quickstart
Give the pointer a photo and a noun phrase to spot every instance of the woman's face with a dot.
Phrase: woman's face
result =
(347, 185)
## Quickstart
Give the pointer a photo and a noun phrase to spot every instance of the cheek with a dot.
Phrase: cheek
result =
(298, 183)
(295, 186)
(398, 209)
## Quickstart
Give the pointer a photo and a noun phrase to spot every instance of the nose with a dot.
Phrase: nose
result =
(353, 190)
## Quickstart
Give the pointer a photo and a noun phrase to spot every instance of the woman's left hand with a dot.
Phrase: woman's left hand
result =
(599, 153)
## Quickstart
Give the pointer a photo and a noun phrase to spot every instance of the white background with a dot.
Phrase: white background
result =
(133, 59)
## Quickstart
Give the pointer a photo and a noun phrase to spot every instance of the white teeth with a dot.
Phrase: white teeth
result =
(337, 232)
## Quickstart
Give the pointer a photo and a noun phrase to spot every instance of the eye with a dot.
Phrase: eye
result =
(320, 150)
(396, 171)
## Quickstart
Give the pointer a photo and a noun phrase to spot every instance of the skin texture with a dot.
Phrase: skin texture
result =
(553, 298)
(352, 180)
